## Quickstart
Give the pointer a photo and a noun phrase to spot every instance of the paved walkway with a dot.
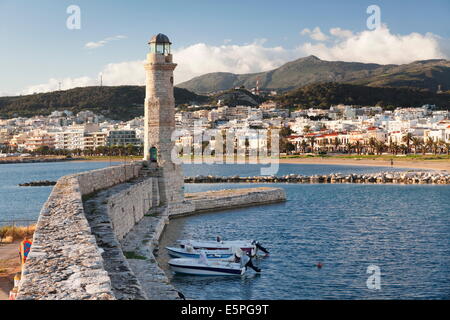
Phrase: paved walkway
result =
(9, 265)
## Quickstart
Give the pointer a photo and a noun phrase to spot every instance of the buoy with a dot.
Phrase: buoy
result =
(319, 265)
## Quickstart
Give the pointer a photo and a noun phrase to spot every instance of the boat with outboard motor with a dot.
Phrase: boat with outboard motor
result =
(189, 252)
(205, 267)
(248, 246)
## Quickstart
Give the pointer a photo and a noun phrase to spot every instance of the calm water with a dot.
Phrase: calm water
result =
(403, 229)
(25, 202)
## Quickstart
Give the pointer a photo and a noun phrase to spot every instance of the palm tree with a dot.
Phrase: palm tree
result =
(336, 144)
(441, 144)
(407, 139)
(312, 141)
(372, 144)
(430, 144)
(417, 143)
(394, 147)
(349, 147)
(435, 147)
(403, 149)
(358, 147)
(447, 147)
(303, 145)
(379, 147)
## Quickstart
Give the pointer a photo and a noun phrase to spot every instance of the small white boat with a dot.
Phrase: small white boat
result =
(248, 246)
(189, 252)
(211, 268)
(205, 267)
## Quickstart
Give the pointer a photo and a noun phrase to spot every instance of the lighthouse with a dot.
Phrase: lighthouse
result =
(159, 116)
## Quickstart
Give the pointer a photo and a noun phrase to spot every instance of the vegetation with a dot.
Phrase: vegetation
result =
(107, 151)
(118, 103)
(374, 147)
(10, 233)
(325, 94)
(133, 255)
(426, 157)
(426, 74)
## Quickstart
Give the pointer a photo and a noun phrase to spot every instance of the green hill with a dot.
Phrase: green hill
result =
(332, 93)
(119, 103)
(426, 74)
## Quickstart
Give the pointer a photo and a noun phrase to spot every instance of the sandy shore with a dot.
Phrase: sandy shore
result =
(413, 164)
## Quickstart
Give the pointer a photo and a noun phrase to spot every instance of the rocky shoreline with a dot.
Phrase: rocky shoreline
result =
(36, 160)
(403, 177)
(37, 183)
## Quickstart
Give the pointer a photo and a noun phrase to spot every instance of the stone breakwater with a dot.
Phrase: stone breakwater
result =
(37, 183)
(65, 261)
(96, 234)
(35, 160)
(407, 177)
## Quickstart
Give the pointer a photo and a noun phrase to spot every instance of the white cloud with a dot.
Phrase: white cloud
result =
(378, 46)
(54, 84)
(101, 43)
(201, 58)
(315, 34)
(341, 33)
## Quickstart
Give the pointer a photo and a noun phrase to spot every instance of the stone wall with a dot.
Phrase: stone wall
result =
(95, 180)
(128, 206)
(65, 261)
(233, 198)
(84, 229)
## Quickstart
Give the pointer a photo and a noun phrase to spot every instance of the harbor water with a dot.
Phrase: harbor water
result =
(402, 229)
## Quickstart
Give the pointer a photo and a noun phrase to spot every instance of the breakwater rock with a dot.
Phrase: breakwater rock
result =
(37, 183)
(402, 177)
(36, 160)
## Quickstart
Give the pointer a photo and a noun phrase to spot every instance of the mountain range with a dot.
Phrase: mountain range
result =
(426, 74)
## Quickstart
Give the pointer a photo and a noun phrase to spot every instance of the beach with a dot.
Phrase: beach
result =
(400, 163)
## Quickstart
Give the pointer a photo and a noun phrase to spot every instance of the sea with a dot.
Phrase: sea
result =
(373, 241)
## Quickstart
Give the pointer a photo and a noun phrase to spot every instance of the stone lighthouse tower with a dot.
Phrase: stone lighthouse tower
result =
(160, 120)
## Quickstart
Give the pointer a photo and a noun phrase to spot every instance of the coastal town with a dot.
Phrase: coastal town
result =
(341, 129)
(214, 158)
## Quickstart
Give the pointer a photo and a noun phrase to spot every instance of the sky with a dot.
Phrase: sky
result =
(39, 53)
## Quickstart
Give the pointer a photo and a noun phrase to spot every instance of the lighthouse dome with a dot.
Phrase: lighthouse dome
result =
(160, 38)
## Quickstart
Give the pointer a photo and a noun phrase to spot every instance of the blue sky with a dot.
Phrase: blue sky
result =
(36, 45)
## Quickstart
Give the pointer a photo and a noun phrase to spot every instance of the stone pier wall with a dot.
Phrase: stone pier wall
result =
(233, 198)
(127, 207)
(97, 231)
(65, 261)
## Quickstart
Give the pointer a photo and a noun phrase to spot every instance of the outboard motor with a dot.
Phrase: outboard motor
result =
(247, 260)
(260, 247)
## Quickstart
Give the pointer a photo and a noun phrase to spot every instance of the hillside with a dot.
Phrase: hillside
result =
(332, 93)
(426, 74)
(119, 103)
(234, 97)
